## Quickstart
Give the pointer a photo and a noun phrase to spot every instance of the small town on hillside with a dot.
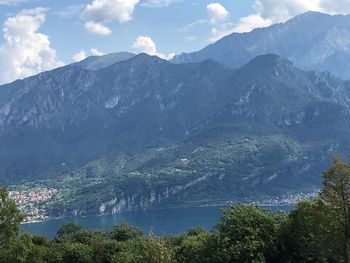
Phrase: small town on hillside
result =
(32, 202)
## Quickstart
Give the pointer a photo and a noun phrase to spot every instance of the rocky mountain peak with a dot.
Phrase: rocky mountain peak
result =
(312, 41)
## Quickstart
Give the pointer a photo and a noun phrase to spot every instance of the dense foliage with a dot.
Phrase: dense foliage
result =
(314, 231)
(182, 176)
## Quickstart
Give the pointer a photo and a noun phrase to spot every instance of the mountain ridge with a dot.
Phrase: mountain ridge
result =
(99, 62)
(145, 125)
(313, 41)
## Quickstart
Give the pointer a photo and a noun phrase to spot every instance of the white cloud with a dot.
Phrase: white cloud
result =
(248, 23)
(282, 10)
(268, 12)
(217, 12)
(159, 3)
(10, 2)
(81, 55)
(96, 52)
(100, 12)
(217, 16)
(145, 44)
(335, 6)
(70, 11)
(109, 10)
(25, 51)
(97, 28)
(217, 34)
(189, 26)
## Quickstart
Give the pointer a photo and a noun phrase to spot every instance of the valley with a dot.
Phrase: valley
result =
(125, 132)
(172, 131)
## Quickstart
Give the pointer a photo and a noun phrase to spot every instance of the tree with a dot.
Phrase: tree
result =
(196, 247)
(247, 234)
(76, 253)
(68, 228)
(310, 234)
(124, 232)
(10, 218)
(336, 192)
(153, 250)
(38, 249)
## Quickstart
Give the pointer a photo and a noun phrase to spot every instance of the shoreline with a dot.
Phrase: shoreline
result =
(159, 209)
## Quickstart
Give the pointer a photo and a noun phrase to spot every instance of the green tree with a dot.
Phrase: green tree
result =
(196, 247)
(124, 232)
(310, 234)
(336, 192)
(76, 253)
(104, 250)
(68, 229)
(10, 218)
(153, 250)
(247, 234)
(38, 249)
(14, 246)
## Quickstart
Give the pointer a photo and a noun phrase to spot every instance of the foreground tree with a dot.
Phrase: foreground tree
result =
(124, 232)
(247, 234)
(10, 218)
(198, 246)
(13, 247)
(336, 192)
(68, 228)
(311, 234)
(153, 250)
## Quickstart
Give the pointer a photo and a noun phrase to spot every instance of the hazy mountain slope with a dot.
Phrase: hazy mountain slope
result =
(100, 62)
(187, 133)
(313, 41)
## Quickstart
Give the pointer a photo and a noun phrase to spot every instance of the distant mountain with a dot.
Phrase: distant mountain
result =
(100, 62)
(146, 132)
(313, 41)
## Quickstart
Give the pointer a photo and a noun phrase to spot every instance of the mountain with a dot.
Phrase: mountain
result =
(145, 132)
(99, 62)
(313, 41)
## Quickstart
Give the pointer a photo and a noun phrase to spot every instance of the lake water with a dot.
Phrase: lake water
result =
(167, 221)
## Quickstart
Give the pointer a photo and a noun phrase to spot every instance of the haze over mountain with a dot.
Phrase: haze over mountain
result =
(313, 41)
(238, 152)
(99, 62)
(202, 130)
(124, 131)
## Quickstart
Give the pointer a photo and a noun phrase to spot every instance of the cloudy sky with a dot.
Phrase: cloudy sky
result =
(39, 35)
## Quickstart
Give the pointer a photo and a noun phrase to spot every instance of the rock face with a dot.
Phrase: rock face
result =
(313, 41)
(190, 131)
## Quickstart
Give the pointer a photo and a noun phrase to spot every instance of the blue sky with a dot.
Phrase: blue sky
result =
(65, 26)
(39, 35)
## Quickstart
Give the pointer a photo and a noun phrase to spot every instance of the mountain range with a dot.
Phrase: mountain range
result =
(124, 132)
(312, 41)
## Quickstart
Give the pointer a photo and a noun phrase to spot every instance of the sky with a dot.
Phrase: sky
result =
(39, 35)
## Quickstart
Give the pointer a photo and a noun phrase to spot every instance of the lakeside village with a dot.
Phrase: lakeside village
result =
(32, 201)
(288, 200)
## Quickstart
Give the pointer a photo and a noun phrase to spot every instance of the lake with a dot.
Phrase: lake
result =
(166, 221)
